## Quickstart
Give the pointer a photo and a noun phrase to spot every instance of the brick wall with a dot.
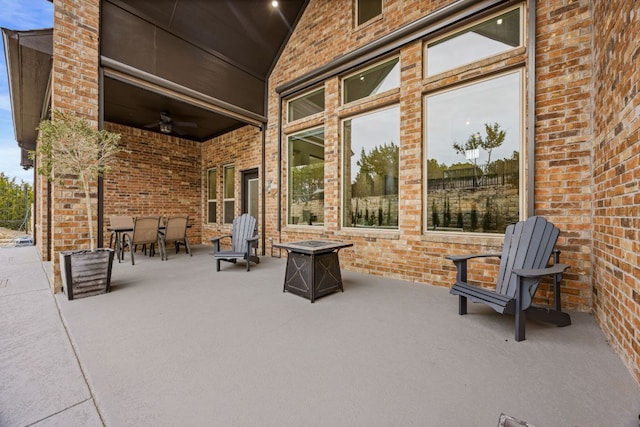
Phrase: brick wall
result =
(241, 148)
(74, 89)
(155, 175)
(616, 177)
(564, 132)
(563, 137)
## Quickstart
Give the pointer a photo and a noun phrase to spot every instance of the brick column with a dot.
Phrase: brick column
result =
(75, 90)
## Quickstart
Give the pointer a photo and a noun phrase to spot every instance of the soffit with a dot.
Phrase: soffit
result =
(28, 56)
(223, 50)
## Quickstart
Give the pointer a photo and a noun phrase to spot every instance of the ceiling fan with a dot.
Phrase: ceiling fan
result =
(168, 125)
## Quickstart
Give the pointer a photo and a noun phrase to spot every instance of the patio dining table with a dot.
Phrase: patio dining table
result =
(119, 231)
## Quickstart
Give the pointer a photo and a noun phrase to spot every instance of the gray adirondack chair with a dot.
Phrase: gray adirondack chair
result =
(528, 246)
(244, 241)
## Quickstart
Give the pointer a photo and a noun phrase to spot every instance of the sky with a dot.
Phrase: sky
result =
(17, 15)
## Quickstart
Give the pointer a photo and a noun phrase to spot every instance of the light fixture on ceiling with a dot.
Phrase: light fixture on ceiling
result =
(499, 21)
(274, 3)
(165, 127)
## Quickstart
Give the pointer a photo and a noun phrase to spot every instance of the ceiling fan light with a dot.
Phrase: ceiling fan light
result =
(165, 127)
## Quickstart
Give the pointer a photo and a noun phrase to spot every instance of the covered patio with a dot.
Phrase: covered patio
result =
(176, 343)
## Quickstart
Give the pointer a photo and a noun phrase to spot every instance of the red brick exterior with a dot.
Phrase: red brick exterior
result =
(616, 177)
(587, 167)
(223, 151)
(156, 175)
(567, 157)
(74, 89)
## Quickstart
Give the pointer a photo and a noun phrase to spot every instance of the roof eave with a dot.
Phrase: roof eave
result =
(28, 56)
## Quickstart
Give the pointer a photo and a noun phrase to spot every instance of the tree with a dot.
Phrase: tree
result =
(378, 171)
(15, 200)
(493, 139)
(68, 145)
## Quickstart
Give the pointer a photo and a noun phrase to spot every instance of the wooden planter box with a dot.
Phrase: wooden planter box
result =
(86, 273)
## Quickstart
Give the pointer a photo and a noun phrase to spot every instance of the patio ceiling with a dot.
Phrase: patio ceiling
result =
(202, 63)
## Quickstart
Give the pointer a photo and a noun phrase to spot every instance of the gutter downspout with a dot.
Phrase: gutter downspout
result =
(279, 190)
(264, 180)
(531, 107)
(100, 227)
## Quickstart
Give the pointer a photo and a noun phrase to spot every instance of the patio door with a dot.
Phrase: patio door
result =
(250, 192)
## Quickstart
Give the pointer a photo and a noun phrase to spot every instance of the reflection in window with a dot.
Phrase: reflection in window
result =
(306, 105)
(367, 10)
(496, 35)
(212, 195)
(306, 178)
(229, 193)
(372, 81)
(371, 157)
(473, 156)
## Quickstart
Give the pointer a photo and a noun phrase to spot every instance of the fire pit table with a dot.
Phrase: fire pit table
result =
(313, 268)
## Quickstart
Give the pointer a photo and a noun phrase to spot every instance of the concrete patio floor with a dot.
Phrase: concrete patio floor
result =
(178, 344)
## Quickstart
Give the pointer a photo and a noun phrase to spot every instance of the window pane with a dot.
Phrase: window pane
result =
(212, 195)
(496, 35)
(368, 9)
(229, 194)
(473, 152)
(306, 105)
(306, 178)
(229, 184)
(371, 157)
(211, 184)
(372, 81)
(229, 206)
(212, 206)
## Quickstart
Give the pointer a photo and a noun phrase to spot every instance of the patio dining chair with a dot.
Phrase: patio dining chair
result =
(118, 225)
(174, 231)
(145, 232)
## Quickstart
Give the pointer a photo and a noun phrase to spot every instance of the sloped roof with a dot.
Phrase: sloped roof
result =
(28, 57)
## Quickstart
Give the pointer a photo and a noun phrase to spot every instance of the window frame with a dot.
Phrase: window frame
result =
(523, 172)
(344, 178)
(226, 199)
(464, 28)
(364, 69)
(214, 171)
(356, 14)
(300, 96)
(288, 176)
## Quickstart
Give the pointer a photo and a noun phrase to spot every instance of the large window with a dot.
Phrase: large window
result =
(490, 37)
(212, 195)
(366, 10)
(473, 138)
(229, 193)
(371, 81)
(370, 169)
(305, 105)
(306, 177)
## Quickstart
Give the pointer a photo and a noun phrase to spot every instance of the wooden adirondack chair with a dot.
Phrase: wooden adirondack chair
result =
(528, 246)
(243, 242)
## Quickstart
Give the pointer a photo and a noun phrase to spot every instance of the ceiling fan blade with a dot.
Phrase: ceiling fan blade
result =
(186, 124)
(152, 125)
